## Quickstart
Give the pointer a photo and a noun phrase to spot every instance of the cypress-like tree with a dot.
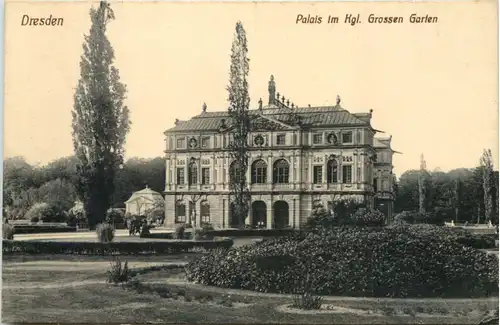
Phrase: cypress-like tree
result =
(100, 118)
(486, 164)
(421, 185)
(239, 103)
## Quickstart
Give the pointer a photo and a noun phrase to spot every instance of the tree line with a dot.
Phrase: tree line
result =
(25, 185)
(462, 194)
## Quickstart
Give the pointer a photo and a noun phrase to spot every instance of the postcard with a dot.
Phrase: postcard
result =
(250, 162)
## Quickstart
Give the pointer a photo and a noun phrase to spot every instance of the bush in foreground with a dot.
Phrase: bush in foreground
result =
(118, 272)
(105, 232)
(179, 231)
(7, 231)
(399, 261)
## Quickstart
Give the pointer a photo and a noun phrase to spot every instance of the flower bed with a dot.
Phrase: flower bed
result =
(118, 248)
(403, 261)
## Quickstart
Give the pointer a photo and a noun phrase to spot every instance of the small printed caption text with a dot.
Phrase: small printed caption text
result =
(354, 19)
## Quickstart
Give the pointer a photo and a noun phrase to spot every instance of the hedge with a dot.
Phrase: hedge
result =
(405, 261)
(113, 248)
(31, 229)
(233, 233)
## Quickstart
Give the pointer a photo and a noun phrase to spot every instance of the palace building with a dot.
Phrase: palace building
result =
(299, 157)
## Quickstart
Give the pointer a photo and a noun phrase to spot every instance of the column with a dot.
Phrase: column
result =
(225, 215)
(197, 207)
(292, 170)
(311, 172)
(324, 179)
(167, 174)
(269, 212)
(270, 169)
(355, 168)
(249, 220)
(212, 172)
(249, 167)
(299, 179)
(294, 214)
(174, 170)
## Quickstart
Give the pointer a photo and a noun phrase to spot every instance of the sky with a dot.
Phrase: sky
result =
(433, 87)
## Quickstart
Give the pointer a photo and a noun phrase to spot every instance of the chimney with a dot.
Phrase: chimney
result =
(176, 121)
(272, 91)
(204, 107)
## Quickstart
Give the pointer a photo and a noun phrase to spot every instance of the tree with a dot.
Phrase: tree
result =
(100, 119)
(239, 103)
(421, 185)
(486, 164)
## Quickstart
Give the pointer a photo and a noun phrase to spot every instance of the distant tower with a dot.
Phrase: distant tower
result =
(272, 91)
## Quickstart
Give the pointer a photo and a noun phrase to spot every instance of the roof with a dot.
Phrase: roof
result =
(380, 143)
(147, 194)
(310, 116)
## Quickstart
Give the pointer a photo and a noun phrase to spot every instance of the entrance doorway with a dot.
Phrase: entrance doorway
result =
(281, 214)
(259, 214)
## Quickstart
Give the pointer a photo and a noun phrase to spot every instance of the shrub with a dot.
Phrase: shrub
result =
(118, 272)
(114, 216)
(370, 218)
(35, 219)
(402, 261)
(8, 231)
(105, 232)
(415, 217)
(307, 301)
(179, 231)
(320, 219)
(42, 211)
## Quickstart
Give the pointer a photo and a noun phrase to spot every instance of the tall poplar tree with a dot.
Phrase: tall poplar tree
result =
(239, 103)
(486, 164)
(100, 118)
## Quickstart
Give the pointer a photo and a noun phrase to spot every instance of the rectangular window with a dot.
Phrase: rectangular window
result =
(306, 139)
(347, 137)
(216, 144)
(280, 139)
(205, 219)
(358, 175)
(180, 213)
(181, 143)
(193, 175)
(347, 174)
(294, 139)
(205, 176)
(318, 174)
(358, 136)
(375, 185)
(317, 138)
(180, 176)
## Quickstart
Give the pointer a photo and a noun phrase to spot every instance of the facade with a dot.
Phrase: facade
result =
(143, 201)
(299, 157)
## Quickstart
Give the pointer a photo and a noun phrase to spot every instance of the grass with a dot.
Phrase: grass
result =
(44, 288)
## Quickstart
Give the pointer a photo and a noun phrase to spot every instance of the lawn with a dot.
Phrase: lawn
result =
(72, 289)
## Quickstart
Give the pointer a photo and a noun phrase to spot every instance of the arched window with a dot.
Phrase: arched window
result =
(234, 173)
(259, 172)
(180, 212)
(331, 171)
(205, 212)
(280, 172)
(193, 173)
